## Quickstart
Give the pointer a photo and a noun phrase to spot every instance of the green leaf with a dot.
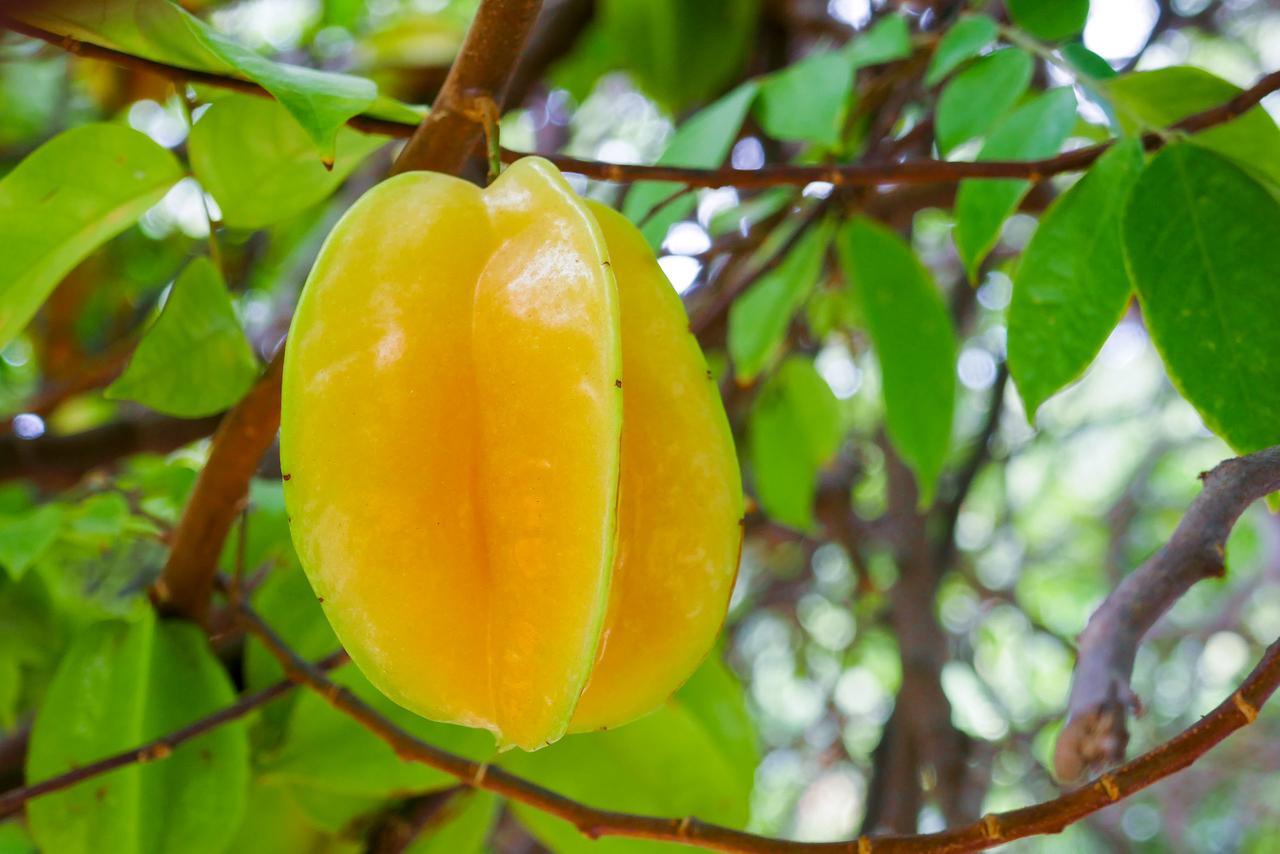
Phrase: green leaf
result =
(793, 430)
(808, 100)
(704, 141)
(759, 318)
(1071, 287)
(66, 199)
(714, 695)
(667, 763)
(887, 40)
(15, 840)
(1202, 239)
(321, 101)
(965, 39)
(1157, 99)
(259, 164)
(1087, 61)
(1051, 20)
(679, 52)
(978, 97)
(461, 826)
(274, 824)
(914, 343)
(24, 538)
(1035, 130)
(194, 360)
(120, 685)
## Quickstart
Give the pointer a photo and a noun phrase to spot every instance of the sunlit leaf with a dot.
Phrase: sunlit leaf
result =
(793, 431)
(321, 101)
(1033, 131)
(194, 360)
(704, 141)
(120, 685)
(1071, 287)
(68, 197)
(914, 343)
(759, 318)
(965, 39)
(669, 763)
(1157, 99)
(260, 166)
(976, 99)
(888, 39)
(1202, 238)
(1050, 20)
(808, 100)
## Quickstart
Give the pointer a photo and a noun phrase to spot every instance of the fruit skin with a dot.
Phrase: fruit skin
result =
(454, 444)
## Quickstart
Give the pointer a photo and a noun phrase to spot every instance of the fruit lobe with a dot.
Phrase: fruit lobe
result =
(454, 431)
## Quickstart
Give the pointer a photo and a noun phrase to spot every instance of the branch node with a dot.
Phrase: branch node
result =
(1247, 709)
(991, 827)
(864, 845)
(477, 776)
(1107, 784)
(682, 829)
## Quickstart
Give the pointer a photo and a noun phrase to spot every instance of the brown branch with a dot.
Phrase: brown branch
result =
(63, 460)
(913, 172)
(161, 748)
(1095, 734)
(991, 830)
(243, 437)
(449, 134)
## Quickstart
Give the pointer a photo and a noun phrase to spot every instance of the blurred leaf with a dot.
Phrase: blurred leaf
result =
(194, 360)
(29, 93)
(1165, 96)
(976, 99)
(914, 343)
(744, 216)
(259, 164)
(274, 824)
(704, 141)
(680, 52)
(32, 636)
(1071, 287)
(887, 40)
(760, 317)
(68, 197)
(1051, 20)
(321, 101)
(1087, 61)
(965, 39)
(714, 695)
(668, 763)
(1202, 238)
(808, 100)
(1035, 130)
(793, 430)
(14, 839)
(25, 537)
(120, 685)
(462, 826)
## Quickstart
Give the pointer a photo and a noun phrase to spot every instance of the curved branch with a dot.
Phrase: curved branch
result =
(911, 172)
(991, 830)
(161, 748)
(1095, 734)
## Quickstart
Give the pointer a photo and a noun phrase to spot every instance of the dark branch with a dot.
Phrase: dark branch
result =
(161, 748)
(913, 172)
(1095, 734)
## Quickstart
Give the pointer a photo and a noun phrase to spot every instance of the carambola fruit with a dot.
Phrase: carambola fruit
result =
(510, 476)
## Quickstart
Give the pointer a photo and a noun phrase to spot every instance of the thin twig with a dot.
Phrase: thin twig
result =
(1095, 734)
(922, 171)
(161, 748)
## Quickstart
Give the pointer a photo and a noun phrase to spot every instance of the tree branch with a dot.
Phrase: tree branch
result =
(244, 435)
(448, 135)
(912, 172)
(161, 748)
(1095, 734)
(993, 829)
